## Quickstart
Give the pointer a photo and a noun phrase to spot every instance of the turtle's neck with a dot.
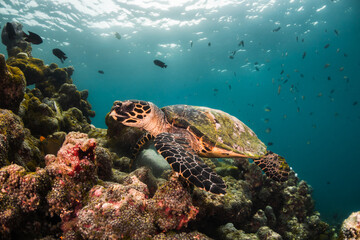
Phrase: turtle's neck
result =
(158, 123)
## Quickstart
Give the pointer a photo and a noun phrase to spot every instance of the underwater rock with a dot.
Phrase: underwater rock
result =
(33, 68)
(181, 236)
(104, 163)
(12, 134)
(229, 232)
(21, 194)
(350, 229)
(73, 171)
(15, 43)
(122, 139)
(235, 206)
(150, 158)
(73, 121)
(12, 82)
(133, 214)
(39, 117)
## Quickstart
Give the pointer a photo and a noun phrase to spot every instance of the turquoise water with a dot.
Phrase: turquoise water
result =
(314, 122)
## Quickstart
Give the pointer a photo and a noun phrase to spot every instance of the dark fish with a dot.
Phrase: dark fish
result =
(270, 144)
(298, 109)
(101, 71)
(282, 71)
(33, 38)
(235, 74)
(209, 44)
(276, 29)
(160, 63)
(304, 55)
(329, 78)
(256, 63)
(229, 87)
(231, 56)
(191, 43)
(59, 54)
(332, 91)
(257, 69)
(345, 55)
(286, 80)
(216, 90)
(302, 40)
(336, 32)
(327, 45)
(9, 28)
(297, 39)
(241, 43)
(117, 35)
(355, 103)
(301, 75)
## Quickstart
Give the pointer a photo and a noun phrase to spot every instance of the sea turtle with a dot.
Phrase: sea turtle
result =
(182, 133)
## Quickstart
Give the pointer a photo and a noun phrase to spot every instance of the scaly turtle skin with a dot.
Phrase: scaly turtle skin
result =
(182, 133)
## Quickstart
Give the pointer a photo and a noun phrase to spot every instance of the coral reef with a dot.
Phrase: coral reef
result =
(12, 82)
(71, 180)
(73, 173)
(350, 229)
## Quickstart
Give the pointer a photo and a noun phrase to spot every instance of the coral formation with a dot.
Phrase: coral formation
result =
(350, 229)
(12, 82)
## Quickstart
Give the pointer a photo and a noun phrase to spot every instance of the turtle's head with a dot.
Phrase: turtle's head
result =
(133, 113)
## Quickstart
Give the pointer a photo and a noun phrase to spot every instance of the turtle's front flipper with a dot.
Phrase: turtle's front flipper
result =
(188, 164)
(274, 166)
(145, 138)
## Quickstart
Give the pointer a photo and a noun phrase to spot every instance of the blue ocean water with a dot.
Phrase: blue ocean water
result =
(295, 81)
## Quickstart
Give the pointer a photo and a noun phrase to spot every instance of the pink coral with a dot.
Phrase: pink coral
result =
(73, 172)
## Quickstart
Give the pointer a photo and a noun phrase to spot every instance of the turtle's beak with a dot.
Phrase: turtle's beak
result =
(120, 110)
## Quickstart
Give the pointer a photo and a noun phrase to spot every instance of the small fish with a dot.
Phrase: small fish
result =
(297, 39)
(270, 144)
(338, 50)
(235, 74)
(298, 109)
(276, 29)
(267, 109)
(336, 32)
(332, 91)
(286, 80)
(319, 94)
(216, 90)
(282, 71)
(345, 55)
(341, 69)
(41, 138)
(191, 43)
(266, 120)
(241, 43)
(268, 130)
(355, 103)
(209, 44)
(117, 35)
(329, 78)
(257, 69)
(229, 87)
(308, 142)
(314, 126)
(302, 40)
(304, 55)
(231, 56)
(256, 63)
(59, 54)
(101, 71)
(33, 38)
(279, 90)
(160, 64)
(326, 65)
(301, 75)
(311, 113)
(327, 45)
